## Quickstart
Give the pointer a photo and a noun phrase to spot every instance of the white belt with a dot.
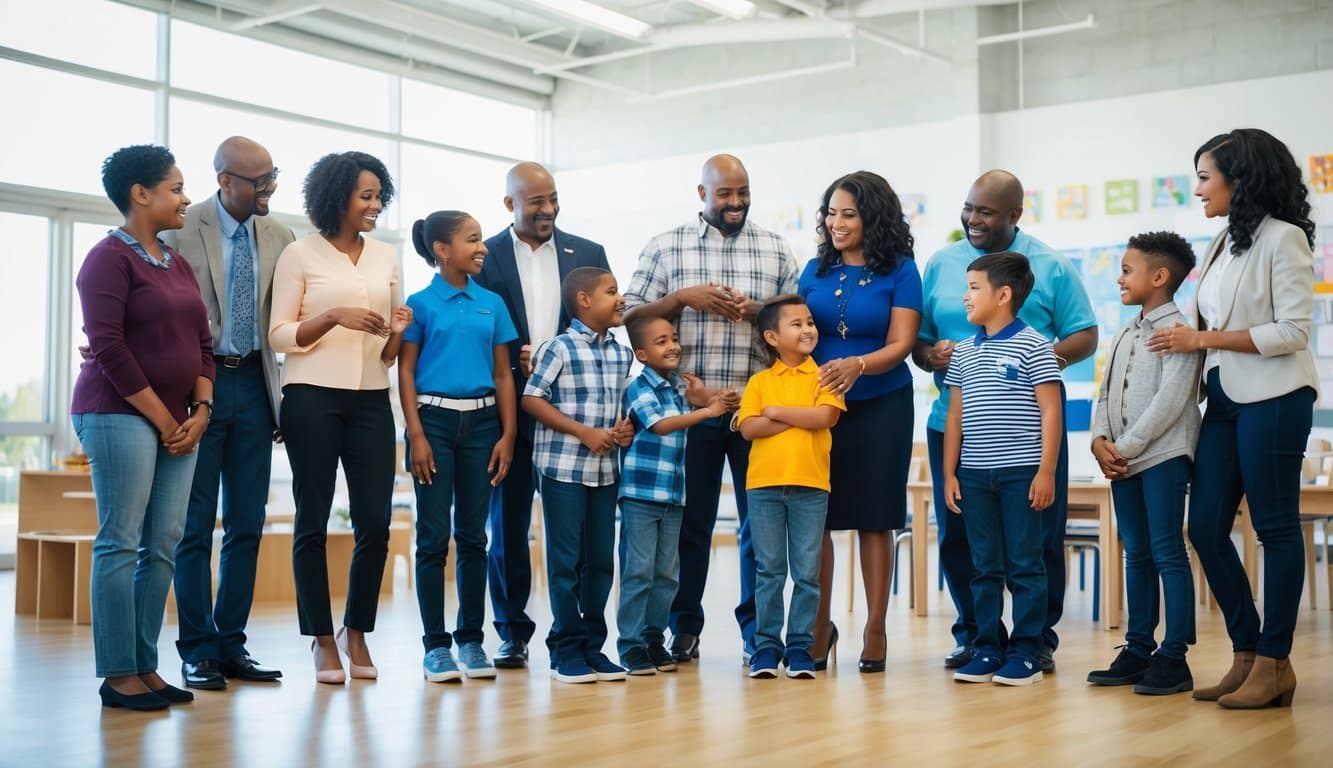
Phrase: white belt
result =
(453, 404)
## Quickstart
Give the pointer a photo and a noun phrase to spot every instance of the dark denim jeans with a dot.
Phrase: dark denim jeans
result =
(787, 525)
(1150, 511)
(1004, 534)
(462, 442)
(580, 560)
(649, 570)
(1254, 450)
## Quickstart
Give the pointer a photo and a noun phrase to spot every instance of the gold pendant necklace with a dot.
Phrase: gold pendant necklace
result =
(845, 296)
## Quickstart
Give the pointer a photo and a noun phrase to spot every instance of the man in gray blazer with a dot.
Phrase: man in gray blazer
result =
(233, 246)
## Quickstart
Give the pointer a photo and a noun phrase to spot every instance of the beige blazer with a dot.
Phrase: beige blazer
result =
(200, 243)
(1270, 292)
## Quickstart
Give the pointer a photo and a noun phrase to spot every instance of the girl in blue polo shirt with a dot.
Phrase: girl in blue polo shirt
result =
(459, 404)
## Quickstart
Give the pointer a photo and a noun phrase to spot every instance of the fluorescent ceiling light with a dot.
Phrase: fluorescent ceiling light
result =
(597, 16)
(736, 9)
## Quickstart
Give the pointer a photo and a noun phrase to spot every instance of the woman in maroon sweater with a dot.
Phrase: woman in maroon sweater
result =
(142, 401)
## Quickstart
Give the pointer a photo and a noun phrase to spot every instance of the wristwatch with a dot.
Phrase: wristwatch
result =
(194, 406)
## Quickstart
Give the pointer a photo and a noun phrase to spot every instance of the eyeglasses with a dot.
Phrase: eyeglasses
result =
(260, 182)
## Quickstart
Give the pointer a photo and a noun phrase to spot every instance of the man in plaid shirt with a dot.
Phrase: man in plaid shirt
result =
(710, 277)
(574, 395)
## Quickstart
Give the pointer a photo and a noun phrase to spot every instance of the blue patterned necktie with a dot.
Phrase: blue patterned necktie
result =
(242, 320)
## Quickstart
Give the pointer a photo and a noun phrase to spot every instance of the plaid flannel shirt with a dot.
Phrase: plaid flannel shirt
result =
(581, 374)
(754, 261)
(652, 468)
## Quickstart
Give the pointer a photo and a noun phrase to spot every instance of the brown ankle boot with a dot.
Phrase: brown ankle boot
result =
(1272, 683)
(1241, 663)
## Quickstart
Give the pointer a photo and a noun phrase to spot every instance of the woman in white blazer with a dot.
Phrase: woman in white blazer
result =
(1255, 305)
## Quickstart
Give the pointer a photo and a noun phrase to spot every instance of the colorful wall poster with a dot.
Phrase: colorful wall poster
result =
(1122, 196)
(1032, 206)
(1171, 192)
(914, 207)
(1321, 174)
(1071, 202)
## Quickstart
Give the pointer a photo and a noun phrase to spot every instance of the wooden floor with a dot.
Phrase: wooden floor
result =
(707, 714)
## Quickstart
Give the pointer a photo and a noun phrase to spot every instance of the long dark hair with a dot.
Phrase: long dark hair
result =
(440, 226)
(886, 237)
(1267, 182)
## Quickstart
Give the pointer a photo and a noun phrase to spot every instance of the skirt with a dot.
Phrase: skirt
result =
(872, 452)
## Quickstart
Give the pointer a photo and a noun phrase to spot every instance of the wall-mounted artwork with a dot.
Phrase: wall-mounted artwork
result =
(1032, 206)
(1321, 174)
(914, 207)
(1171, 192)
(1071, 202)
(1122, 196)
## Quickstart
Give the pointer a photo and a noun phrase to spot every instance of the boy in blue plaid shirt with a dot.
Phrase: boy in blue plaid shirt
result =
(574, 395)
(652, 493)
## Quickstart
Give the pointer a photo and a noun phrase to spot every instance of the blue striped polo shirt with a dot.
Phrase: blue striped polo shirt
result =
(998, 376)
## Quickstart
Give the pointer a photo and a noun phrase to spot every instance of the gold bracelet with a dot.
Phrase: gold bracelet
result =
(862, 361)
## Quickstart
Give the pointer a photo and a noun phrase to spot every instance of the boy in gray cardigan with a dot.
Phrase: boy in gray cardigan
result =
(1143, 434)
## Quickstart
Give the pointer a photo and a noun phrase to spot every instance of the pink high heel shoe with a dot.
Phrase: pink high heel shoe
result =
(359, 672)
(330, 676)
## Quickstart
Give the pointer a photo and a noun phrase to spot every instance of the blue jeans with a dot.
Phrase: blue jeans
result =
(649, 570)
(142, 492)
(787, 526)
(461, 442)
(1150, 510)
(1004, 534)
(237, 451)
(580, 561)
(710, 443)
(1255, 450)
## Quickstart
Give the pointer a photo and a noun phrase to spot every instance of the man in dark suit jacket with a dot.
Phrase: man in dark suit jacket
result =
(525, 265)
(232, 246)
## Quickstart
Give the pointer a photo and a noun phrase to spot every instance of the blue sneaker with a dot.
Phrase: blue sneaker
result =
(765, 663)
(574, 672)
(605, 669)
(980, 669)
(1018, 669)
(439, 666)
(800, 664)
(472, 658)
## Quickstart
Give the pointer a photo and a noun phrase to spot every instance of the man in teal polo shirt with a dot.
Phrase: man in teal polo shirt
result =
(1060, 310)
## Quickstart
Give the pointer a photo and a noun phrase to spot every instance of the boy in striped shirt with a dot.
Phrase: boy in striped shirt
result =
(1001, 442)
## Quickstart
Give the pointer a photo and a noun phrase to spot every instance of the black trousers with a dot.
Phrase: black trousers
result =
(323, 426)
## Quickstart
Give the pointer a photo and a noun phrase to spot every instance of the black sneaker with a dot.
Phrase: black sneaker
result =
(661, 657)
(1127, 669)
(1046, 659)
(1165, 676)
(636, 661)
(959, 657)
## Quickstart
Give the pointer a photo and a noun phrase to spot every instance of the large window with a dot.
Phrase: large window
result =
(107, 36)
(463, 120)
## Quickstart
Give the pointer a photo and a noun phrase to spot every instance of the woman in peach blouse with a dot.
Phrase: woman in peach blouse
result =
(338, 317)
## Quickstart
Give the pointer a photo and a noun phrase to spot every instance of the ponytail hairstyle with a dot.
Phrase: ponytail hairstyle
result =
(1267, 182)
(438, 227)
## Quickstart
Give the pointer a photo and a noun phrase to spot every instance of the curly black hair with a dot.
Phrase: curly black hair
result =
(1267, 182)
(440, 227)
(146, 164)
(886, 237)
(331, 183)
(1166, 249)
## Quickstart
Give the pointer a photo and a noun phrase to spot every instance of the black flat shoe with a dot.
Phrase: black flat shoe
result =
(139, 702)
(684, 647)
(822, 662)
(513, 654)
(205, 675)
(174, 695)
(246, 667)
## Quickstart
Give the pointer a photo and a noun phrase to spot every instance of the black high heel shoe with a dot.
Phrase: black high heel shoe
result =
(821, 663)
(140, 702)
(871, 666)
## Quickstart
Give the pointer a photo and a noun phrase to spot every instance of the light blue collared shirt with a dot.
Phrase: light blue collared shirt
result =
(223, 345)
(128, 239)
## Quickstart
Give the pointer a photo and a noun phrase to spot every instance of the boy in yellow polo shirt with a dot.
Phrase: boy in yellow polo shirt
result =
(787, 416)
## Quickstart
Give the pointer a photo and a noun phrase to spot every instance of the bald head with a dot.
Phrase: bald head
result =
(246, 177)
(530, 195)
(724, 188)
(992, 210)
